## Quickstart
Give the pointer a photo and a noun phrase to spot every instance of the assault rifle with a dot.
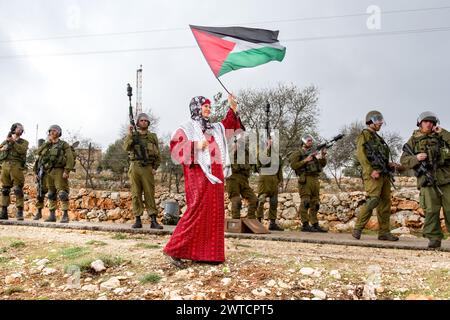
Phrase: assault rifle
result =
(40, 172)
(138, 146)
(423, 169)
(325, 145)
(378, 160)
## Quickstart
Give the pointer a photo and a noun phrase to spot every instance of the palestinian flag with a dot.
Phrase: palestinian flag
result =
(232, 48)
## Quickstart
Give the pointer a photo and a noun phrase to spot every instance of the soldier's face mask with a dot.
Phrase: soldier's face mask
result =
(377, 120)
(427, 125)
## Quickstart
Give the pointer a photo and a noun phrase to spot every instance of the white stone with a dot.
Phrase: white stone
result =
(111, 284)
(307, 271)
(129, 274)
(401, 230)
(90, 288)
(271, 283)
(98, 265)
(335, 274)
(226, 281)
(48, 271)
(119, 291)
(13, 278)
(319, 294)
(289, 213)
(42, 262)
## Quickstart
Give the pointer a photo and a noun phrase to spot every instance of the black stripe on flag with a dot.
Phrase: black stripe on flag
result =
(246, 34)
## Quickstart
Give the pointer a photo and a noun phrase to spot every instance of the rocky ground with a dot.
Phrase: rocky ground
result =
(41, 263)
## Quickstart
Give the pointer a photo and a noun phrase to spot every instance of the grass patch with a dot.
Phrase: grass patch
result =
(112, 261)
(74, 252)
(17, 244)
(148, 245)
(4, 259)
(150, 278)
(119, 236)
(12, 290)
(96, 243)
(3, 250)
(243, 245)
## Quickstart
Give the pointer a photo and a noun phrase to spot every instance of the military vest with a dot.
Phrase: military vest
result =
(311, 168)
(52, 155)
(434, 146)
(242, 168)
(12, 155)
(145, 148)
(378, 143)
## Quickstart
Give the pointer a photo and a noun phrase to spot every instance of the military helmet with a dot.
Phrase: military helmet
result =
(14, 127)
(57, 128)
(142, 116)
(427, 115)
(306, 137)
(373, 117)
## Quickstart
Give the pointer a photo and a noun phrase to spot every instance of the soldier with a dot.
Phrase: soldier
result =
(308, 165)
(144, 154)
(376, 181)
(268, 187)
(237, 184)
(41, 184)
(56, 158)
(430, 145)
(13, 153)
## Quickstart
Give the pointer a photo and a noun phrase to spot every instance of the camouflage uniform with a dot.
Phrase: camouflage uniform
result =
(308, 186)
(268, 187)
(437, 148)
(12, 174)
(237, 185)
(378, 190)
(141, 173)
(56, 158)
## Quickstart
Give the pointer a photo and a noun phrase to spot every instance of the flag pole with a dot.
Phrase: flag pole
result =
(223, 85)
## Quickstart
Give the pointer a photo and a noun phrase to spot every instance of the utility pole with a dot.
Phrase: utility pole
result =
(138, 109)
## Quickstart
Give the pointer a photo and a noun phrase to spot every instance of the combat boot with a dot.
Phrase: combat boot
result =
(154, 224)
(38, 214)
(307, 228)
(51, 217)
(388, 237)
(434, 243)
(65, 217)
(317, 228)
(137, 224)
(4, 214)
(19, 214)
(274, 226)
(356, 234)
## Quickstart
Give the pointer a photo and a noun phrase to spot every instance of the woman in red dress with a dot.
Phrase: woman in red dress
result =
(201, 147)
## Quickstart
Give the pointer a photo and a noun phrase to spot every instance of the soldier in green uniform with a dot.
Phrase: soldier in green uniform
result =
(40, 197)
(144, 154)
(431, 146)
(237, 184)
(376, 182)
(308, 165)
(56, 157)
(270, 176)
(13, 153)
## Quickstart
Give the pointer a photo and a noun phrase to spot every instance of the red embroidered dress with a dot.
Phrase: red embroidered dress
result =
(199, 235)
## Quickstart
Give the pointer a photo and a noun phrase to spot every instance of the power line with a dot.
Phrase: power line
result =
(108, 34)
(333, 37)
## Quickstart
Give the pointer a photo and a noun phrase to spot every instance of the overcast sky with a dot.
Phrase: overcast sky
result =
(400, 75)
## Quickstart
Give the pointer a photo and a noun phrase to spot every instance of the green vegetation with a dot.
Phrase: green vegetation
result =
(9, 291)
(150, 278)
(17, 244)
(74, 252)
(119, 236)
(148, 245)
(96, 243)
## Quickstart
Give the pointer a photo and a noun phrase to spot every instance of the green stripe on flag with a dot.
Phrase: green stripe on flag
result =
(251, 58)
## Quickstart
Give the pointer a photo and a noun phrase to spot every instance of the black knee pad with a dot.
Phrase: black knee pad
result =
(40, 199)
(306, 205)
(6, 191)
(18, 192)
(63, 196)
(273, 202)
(317, 207)
(51, 196)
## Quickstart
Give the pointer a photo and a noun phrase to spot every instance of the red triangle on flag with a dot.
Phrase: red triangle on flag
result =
(214, 49)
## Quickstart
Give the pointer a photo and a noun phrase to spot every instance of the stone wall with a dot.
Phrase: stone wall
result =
(338, 211)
